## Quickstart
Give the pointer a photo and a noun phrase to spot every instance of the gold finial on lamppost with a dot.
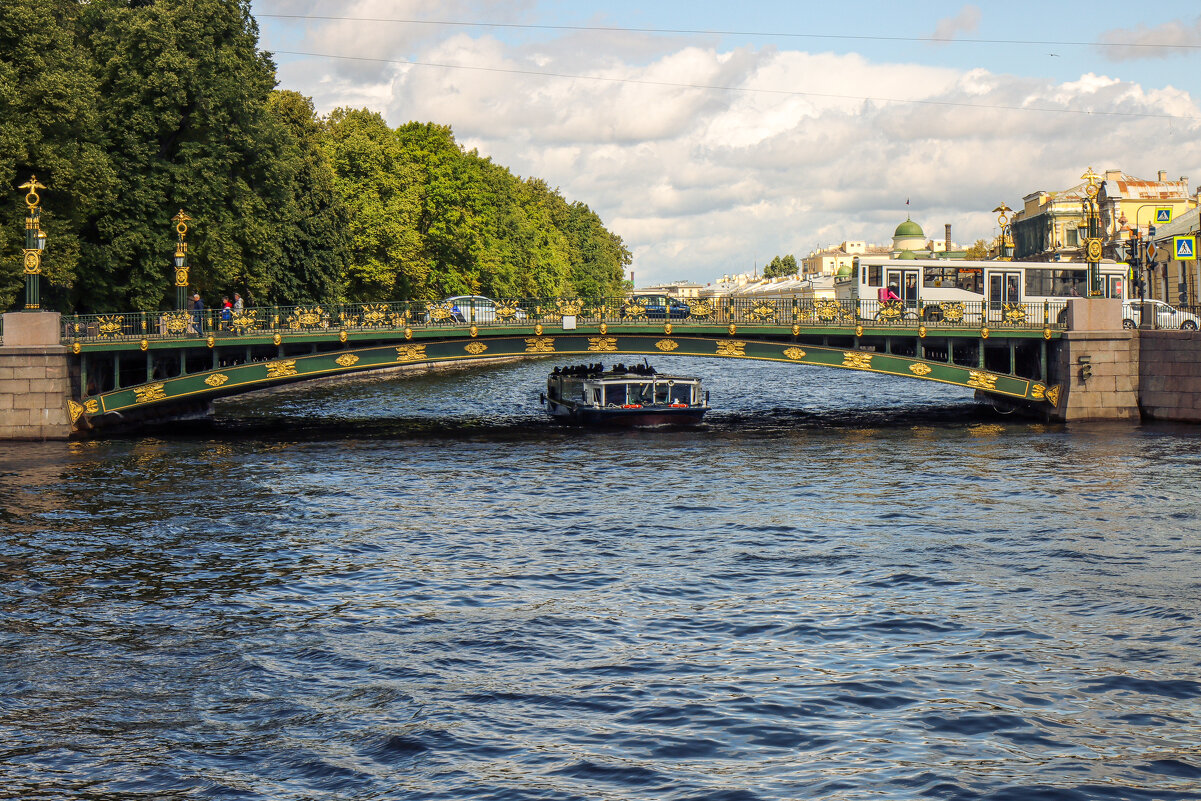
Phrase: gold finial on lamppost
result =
(1003, 211)
(1093, 247)
(35, 243)
(181, 221)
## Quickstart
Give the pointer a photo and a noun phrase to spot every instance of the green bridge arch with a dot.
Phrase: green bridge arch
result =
(162, 398)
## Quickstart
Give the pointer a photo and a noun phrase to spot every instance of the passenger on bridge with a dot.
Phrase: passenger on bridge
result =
(888, 293)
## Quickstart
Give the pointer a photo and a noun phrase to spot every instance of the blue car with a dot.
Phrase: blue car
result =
(657, 307)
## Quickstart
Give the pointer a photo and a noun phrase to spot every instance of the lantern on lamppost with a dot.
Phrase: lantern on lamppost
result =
(181, 260)
(1092, 225)
(1006, 250)
(35, 243)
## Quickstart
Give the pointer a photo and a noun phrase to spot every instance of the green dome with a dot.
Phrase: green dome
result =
(907, 254)
(844, 271)
(909, 228)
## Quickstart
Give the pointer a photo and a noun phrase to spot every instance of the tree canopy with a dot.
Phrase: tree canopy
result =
(780, 266)
(130, 110)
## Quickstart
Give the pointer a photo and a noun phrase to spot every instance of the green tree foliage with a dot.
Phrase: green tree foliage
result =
(130, 110)
(780, 266)
(978, 250)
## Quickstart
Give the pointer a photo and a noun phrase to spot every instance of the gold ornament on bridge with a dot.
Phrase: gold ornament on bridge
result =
(408, 333)
(506, 310)
(569, 308)
(281, 369)
(33, 262)
(216, 379)
(245, 320)
(343, 336)
(984, 333)
(891, 311)
(604, 328)
(316, 317)
(667, 345)
(920, 369)
(1053, 396)
(1038, 391)
(1047, 332)
(277, 339)
(827, 311)
(796, 329)
(763, 312)
(74, 409)
(921, 332)
(475, 348)
(859, 330)
(538, 330)
(634, 309)
(540, 345)
(441, 312)
(410, 353)
(733, 329)
(347, 360)
(857, 361)
(699, 308)
(796, 354)
(667, 328)
(211, 341)
(110, 326)
(76, 348)
(91, 406)
(602, 344)
(175, 323)
(151, 392)
(144, 344)
(981, 380)
(1013, 313)
(952, 312)
(475, 332)
(732, 348)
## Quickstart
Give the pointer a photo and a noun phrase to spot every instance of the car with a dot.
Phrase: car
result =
(1164, 316)
(469, 309)
(656, 307)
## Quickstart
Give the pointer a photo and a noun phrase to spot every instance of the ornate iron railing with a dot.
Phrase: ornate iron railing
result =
(630, 311)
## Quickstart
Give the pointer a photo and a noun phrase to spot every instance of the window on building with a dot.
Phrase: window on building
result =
(1071, 236)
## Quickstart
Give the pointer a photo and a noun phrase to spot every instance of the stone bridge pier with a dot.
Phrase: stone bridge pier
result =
(35, 378)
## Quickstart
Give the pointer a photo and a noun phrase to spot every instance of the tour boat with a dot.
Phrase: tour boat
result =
(631, 396)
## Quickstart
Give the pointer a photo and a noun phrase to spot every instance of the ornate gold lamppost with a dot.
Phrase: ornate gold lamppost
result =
(35, 243)
(1092, 226)
(1003, 211)
(181, 260)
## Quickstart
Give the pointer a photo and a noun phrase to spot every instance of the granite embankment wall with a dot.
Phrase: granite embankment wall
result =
(1169, 375)
(34, 378)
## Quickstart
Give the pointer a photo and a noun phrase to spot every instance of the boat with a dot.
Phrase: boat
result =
(628, 396)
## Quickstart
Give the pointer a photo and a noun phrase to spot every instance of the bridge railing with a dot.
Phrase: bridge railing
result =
(555, 312)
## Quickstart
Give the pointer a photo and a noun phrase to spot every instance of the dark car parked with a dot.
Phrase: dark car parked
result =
(658, 307)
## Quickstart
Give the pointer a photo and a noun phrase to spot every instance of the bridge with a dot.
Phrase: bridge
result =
(126, 370)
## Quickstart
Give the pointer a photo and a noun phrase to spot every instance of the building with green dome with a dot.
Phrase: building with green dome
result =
(909, 242)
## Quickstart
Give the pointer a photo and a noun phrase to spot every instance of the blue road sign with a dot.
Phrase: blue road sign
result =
(1184, 247)
(1163, 215)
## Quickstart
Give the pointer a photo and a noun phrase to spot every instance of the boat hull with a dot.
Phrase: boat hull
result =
(627, 418)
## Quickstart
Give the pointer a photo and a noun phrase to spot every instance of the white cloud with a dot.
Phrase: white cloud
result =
(966, 21)
(1175, 38)
(701, 182)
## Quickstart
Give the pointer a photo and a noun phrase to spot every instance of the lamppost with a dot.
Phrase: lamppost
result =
(35, 243)
(1006, 232)
(1092, 224)
(181, 260)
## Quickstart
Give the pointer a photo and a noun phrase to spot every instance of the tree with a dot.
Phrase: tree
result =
(978, 250)
(779, 267)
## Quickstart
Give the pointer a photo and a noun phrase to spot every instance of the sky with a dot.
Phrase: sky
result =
(712, 136)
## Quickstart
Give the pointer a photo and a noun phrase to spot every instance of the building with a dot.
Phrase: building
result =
(675, 289)
(1050, 226)
(1177, 282)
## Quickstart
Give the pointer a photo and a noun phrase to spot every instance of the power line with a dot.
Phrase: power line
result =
(756, 34)
(744, 89)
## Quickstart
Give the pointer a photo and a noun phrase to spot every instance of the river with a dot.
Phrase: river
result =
(845, 586)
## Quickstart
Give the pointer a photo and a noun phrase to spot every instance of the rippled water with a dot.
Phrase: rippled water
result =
(845, 587)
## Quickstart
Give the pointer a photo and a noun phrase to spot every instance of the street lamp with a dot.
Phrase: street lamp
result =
(1006, 232)
(181, 260)
(1092, 217)
(35, 243)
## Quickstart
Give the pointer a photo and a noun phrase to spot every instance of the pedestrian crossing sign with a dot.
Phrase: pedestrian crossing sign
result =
(1163, 215)
(1184, 247)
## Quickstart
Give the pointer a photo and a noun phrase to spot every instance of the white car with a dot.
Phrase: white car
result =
(1164, 316)
(475, 309)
